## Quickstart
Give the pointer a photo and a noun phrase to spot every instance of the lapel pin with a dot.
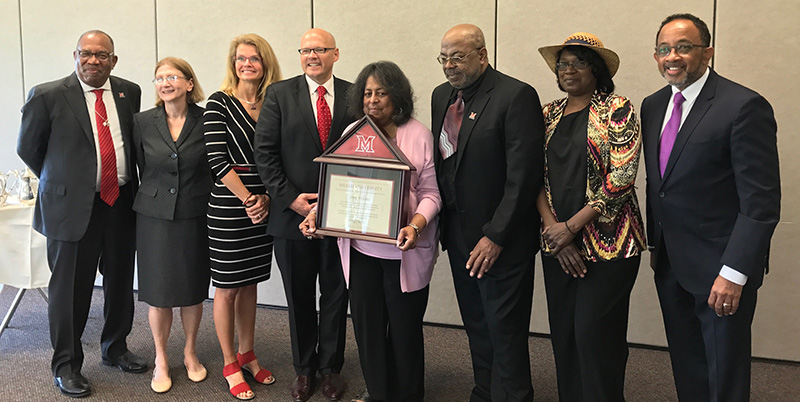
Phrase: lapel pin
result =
(472, 115)
(122, 95)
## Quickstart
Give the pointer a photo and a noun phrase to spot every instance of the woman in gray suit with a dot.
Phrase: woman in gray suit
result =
(171, 233)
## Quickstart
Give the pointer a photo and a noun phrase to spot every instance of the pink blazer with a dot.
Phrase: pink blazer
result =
(416, 265)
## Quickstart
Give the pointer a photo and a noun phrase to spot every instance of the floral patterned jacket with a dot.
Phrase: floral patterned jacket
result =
(613, 146)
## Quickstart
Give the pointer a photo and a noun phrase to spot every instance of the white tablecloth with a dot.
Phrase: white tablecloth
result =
(23, 251)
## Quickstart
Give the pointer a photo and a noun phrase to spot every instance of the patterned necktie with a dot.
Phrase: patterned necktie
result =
(448, 138)
(323, 116)
(670, 132)
(109, 187)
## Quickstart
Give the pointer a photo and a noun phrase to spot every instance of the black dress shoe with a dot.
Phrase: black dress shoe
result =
(73, 385)
(332, 386)
(302, 388)
(127, 362)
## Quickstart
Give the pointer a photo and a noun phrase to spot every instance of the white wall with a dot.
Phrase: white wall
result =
(756, 44)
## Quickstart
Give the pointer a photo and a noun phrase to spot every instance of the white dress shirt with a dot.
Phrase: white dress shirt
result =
(312, 93)
(113, 124)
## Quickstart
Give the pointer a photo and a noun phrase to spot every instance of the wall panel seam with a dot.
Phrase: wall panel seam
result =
(21, 52)
(496, 16)
(155, 29)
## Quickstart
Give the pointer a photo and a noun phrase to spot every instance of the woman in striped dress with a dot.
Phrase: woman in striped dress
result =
(240, 250)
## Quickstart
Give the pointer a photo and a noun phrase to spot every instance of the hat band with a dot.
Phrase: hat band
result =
(580, 41)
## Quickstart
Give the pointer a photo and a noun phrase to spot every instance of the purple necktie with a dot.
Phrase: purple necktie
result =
(670, 132)
(448, 138)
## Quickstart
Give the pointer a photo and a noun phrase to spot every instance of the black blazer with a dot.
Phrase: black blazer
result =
(286, 143)
(499, 163)
(175, 176)
(56, 141)
(719, 200)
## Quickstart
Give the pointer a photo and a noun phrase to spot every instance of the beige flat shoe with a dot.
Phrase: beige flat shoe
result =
(161, 387)
(199, 375)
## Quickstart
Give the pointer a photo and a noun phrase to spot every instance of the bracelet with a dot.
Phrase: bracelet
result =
(568, 229)
(247, 198)
(415, 227)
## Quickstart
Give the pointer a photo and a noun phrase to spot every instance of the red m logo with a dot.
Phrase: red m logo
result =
(365, 144)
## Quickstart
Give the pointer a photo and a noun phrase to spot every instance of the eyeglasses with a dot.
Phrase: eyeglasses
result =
(169, 78)
(683, 49)
(578, 65)
(102, 56)
(442, 59)
(318, 50)
(251, 59)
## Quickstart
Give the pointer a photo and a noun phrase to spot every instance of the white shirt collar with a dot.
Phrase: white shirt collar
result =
(691, 92)
(312, 86)
(87, 88)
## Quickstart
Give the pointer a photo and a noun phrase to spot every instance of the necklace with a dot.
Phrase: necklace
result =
(252, 104)
(105, 121)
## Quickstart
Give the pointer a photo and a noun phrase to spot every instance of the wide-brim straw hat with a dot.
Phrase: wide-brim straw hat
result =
(550, 53)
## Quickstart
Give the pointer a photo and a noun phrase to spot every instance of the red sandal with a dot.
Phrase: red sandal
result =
(242, 387)
(263, 376)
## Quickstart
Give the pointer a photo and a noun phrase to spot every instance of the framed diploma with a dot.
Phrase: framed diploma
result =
(363, 186)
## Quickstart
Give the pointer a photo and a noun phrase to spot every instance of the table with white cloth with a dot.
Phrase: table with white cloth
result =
(23, 254)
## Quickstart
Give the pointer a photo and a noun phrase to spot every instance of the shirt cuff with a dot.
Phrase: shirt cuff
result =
(733, 275)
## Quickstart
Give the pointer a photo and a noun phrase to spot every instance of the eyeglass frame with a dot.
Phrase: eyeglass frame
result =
(306, 51)
(456, 60)
(251, 59)
(681, 49)
(169, 78)
(101, 55)
(574, 65)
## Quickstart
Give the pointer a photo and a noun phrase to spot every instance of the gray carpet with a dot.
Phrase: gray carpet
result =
(25, 355)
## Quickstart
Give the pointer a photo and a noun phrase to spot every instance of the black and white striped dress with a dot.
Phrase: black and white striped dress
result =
(240, 252)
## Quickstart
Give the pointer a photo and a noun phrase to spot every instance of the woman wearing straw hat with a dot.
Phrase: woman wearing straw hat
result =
(592, 231)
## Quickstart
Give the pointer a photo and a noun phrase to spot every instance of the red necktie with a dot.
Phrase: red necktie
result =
(323, 116)
(670, 132)
(109, 187)
(448, 138)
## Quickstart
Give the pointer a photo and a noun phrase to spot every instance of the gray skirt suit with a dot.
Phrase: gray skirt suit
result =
(171, 229)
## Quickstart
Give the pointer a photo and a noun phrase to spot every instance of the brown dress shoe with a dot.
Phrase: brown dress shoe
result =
(301, 388)
(332, 386)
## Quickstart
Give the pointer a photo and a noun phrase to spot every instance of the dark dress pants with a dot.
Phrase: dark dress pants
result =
(589, 326)
(110, 242)
(710, 355)
(317, 345)
(388, 329)
(496, 311)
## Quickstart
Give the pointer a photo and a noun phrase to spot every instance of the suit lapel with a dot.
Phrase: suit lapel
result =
(77, 102)
(652, 133)
(473, 113)
(339, 111)
(699, 110)
(160, 121)
(123, 106)
(192, 117)
(303, 101)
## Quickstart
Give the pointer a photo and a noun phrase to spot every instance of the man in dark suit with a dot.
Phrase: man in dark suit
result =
(301, 116)
(75, 136)
(713, 201)
(489, 163)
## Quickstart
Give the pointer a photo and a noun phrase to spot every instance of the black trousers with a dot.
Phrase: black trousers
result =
(496, 311)
(317, 344)
(110, 242)
(589, 326)
(388, 329)
(710, 355)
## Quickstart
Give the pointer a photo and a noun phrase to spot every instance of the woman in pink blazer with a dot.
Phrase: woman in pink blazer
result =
(388, 284)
